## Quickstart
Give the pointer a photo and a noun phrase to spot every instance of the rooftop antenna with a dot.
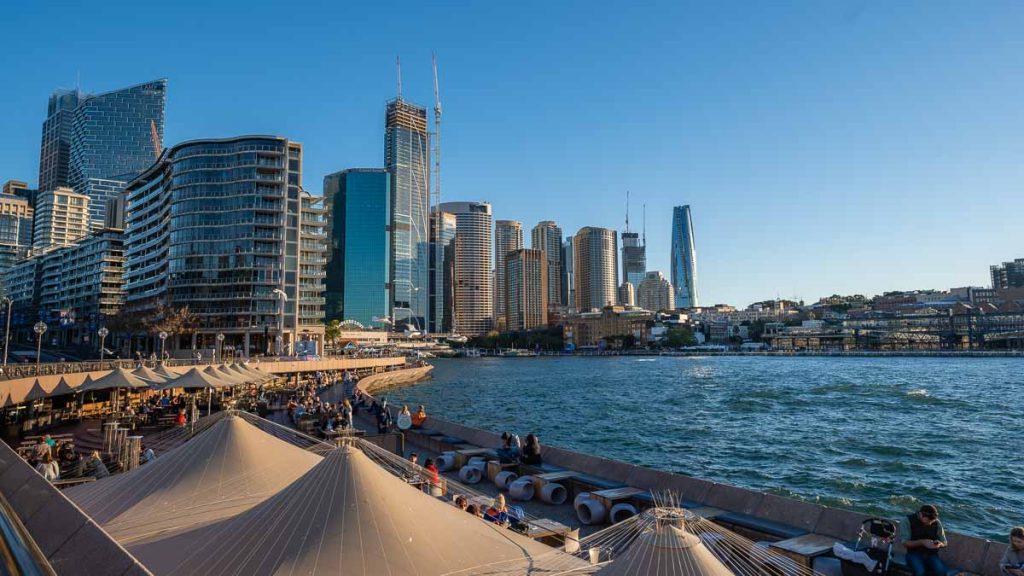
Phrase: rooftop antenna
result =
(627, 211)
(398, 70)
(645, 223)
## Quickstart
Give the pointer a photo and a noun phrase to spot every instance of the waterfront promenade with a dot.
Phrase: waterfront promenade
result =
(763, 515)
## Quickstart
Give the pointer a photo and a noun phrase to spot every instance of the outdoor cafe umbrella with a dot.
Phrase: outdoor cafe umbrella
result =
(61, 388)
(249, 373)
(149, 375)
(227, 375)
(37, 392)
(162, 370)
(195, 379)
(257, 372)
(117, 378)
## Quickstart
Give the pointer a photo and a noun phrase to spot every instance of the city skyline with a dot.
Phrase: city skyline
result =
(856, 148)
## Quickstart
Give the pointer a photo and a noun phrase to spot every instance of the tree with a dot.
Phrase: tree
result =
(332, 331)
(679, 336)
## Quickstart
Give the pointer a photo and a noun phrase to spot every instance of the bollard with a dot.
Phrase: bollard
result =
(133, 447)
(109, 429)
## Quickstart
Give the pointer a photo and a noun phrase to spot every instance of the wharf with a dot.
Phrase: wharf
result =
(791, 526)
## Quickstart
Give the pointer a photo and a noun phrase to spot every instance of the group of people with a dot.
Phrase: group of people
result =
(58, 459)
(497, 512)
(515, 450)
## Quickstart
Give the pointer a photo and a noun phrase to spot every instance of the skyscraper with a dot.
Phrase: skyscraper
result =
(508, 236)
(112, 141)
(407, 158)
(655, 293)
(526, 294)
(442, 280)
(634, 259)
(684, 259)
(1008, 275)
(474, 304)
(627, 294)
(358, 206)
(55, 151)
(238, 242)
(547, 237)
(568, 288)
(595, 254)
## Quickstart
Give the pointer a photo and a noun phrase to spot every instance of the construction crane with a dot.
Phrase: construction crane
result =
(154, 135)
(438, 245)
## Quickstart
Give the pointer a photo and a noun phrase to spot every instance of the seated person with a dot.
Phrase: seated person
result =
(498, 512)
(508, 452)
(1012, 563)
(923, 538)
(461, 503)
(531, 451)
(147, 454)
(419, 417)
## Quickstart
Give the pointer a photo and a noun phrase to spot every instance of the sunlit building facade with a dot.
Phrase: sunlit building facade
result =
(526, 289)
(684, 259)
(61, 219)
(407, 158)
(508, 236)
(443, 227)
(595, 251)
(473, 305)
(546, 236)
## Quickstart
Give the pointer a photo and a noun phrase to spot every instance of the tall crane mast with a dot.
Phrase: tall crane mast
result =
(154, 134)
(438, 245)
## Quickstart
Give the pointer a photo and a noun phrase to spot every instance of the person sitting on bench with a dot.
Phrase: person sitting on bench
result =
(419, 417)
(531, 451)
(924, 537)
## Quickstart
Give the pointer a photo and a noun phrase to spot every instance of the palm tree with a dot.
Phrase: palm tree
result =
(332, 331)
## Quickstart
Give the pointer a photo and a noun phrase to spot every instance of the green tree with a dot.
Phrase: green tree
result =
(679, 336)
(332, 331)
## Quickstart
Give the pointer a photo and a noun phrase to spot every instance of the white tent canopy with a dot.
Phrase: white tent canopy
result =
(222, 472)
(195, 379)
(150, 375)
(117, 378)
(345, 516)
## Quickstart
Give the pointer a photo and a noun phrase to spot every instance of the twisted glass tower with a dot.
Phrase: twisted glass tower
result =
(684, 259)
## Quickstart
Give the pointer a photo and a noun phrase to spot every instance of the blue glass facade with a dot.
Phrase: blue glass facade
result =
(112, 140)
(407, 158)
(684, 259)
(358, 203)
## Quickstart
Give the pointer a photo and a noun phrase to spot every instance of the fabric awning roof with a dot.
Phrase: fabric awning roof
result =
(150, 375)
(62, 388)
(117, 378)
(36, 392)
(218, 375)
(345, 516)
(226, 373)
(194, 379)
(222, 472)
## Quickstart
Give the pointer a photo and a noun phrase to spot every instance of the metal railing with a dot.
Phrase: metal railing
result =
(19, 554)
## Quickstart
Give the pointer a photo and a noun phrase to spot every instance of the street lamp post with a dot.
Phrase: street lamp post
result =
(40, 329)
(7, 335)
(281, 299)
(220, 347)
(163, 336)
(102, 333)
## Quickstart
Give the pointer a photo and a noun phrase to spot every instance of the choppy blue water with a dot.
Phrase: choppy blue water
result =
(878, 435)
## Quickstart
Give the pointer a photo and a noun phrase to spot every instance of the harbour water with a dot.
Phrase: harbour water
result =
(877, 435)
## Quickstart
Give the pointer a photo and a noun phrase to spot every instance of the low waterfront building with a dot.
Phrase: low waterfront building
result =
(223, 227)
(655, 292)
(590, 328)
(526, 295)
(61, 218)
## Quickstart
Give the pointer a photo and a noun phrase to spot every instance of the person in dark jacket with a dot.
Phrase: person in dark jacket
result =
(923, 538)
(531, 451)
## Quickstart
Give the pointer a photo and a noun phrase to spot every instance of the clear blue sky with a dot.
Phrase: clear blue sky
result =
(824, 147)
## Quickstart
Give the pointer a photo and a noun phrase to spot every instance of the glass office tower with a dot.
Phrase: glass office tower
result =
(407, 158)
(473, 291)
(358, 203)
(547, 237)
(442, 254)
(634, 259)
(55, 151)
(112, 141)
(684, 259)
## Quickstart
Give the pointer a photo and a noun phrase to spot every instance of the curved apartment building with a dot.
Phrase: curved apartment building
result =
(224, 227)
(595, 251)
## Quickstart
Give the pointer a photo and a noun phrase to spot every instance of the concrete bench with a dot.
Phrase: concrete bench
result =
(759, 526)
(588, 483)
(542, 468)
